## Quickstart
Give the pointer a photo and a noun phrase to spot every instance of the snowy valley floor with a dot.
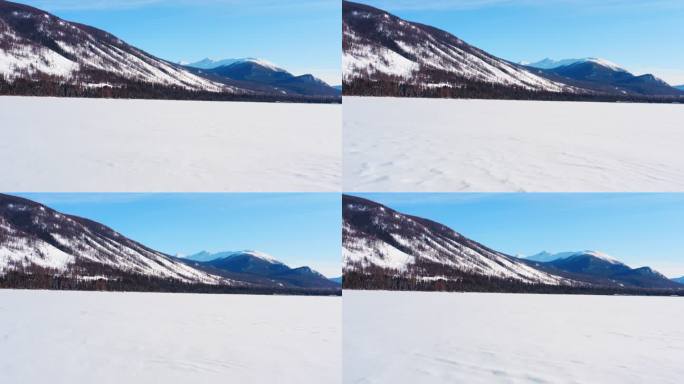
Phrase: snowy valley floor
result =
(97, 337)
(430, 337)
(433, 145)
(72, 145)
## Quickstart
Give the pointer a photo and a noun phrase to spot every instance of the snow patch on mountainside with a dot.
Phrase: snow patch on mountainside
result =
(208, 256)
(35, 43)
(368, 228)
(377, 43)
(69, 245)
(550, 63)
(546, 256)
(211, 63)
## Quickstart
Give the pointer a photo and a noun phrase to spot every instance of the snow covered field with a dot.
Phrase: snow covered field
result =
(430, 337)
(72, 145)
(96, 337)
(401, 144)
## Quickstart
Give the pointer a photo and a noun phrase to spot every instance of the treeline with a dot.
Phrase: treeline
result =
(126, 89)
(40, 278)
(478, 90)
(382, 279)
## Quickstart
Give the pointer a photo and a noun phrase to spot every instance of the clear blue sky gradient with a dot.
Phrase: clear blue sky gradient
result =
(302, 36)
(638, 229)
(298, 229)
(644, 36)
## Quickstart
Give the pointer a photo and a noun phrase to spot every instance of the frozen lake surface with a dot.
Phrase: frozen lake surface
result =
(431, 337)
(103, 145)
(435, 145)
(97, 337)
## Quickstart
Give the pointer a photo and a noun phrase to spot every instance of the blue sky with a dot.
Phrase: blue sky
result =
(638, 229)
(302, 36)
(644, 36)
(298, 229)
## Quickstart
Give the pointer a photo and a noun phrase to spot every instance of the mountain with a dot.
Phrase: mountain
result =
(377, 238)
(604, 76)
(548, 63)
(44, 55)
(208, 63)
(257, 268)
(386, 249)
(36, 45)
(261, 76)
(597, 268)
(679, 280)
(35, 237)
(384, 55)
(680, 87)
(546, 256)
(337, 280)
(382, 48)
(43, 248)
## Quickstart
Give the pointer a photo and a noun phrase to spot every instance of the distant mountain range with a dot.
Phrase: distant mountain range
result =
(603, 76)
(43, 248)
(258, 268)
(42, 54)
(600, 269)
(261, 76)
(386, 249)
(384, 55)
(679, 280)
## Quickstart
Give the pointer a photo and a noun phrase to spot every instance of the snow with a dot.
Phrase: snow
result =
(363, 57)
(405, 144)
(211, 63)
(430, 337)
(34, 61)
(208, 256)
(154, 145)
(550, 63)
(546, 256)
(81, 337)
(40, 253)
(602, 256)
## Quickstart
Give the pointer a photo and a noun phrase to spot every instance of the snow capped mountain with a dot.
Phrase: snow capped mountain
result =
(33, 235)
(384, 55)
(262, 77)
(603, 76)
(35, 44)
(211, 63)
(550, 63)
(380, 46)
(259, 269)
(208, 256)
(547, 257)
(599, 269)
(375, 236)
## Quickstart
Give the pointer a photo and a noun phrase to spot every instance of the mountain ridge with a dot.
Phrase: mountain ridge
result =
(44, 55)
(386, 249)
(258, 268)
(44, 248)
(384, 55)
